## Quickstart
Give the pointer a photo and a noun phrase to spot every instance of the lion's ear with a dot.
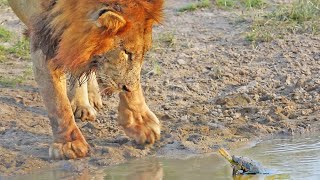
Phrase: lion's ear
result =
(112, 21)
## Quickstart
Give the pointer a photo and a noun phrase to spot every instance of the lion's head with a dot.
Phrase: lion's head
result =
(110, 36)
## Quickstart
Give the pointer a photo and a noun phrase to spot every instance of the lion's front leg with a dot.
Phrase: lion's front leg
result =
(136, 118)
(94, 93)
(69, 142)
(79, 100)
(85, 98)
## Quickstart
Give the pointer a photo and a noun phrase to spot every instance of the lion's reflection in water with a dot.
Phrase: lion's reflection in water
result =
(150, 169)
(187, 168)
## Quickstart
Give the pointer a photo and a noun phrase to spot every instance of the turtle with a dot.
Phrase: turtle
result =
(243, 165)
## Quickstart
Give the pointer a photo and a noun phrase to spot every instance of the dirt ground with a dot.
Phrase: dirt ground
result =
(208, 85)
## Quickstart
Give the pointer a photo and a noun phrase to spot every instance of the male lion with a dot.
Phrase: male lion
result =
(84, 38)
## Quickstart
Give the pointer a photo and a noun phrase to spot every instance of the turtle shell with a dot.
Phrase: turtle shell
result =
(249, 166)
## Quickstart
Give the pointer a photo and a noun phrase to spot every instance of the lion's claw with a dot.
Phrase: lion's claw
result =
(95, 101)
(143, 134)
(85, 113)
(144, 129)
(68, 150)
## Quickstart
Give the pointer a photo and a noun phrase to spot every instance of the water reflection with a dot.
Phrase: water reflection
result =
(136, 170)
(262, 177)
(292, 158)
(298, 157)
(210, 167)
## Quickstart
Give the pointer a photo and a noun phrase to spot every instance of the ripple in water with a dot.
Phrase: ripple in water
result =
(298, 157)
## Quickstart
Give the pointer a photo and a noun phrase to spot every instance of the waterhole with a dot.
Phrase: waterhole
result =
(286, 157)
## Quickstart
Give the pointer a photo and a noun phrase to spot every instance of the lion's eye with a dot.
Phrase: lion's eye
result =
(101, 12)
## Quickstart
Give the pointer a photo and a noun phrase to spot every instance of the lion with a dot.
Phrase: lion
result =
(90, 40)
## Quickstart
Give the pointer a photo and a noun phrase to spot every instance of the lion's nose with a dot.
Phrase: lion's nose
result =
(124, 87)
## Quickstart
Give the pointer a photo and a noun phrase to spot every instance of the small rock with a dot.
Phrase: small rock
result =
(121, 140)
(236, 115)
(181, 61)
(184, 118)
(214, 113)
(306, 112)
(2, 130)
(195, 138)
(229, 118)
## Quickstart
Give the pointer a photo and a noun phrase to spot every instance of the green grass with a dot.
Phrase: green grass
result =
(16, 80)
(5, 35)
(3, 54)
(156, 68)
(16, 47)
(196, 5)
(226, 3)
(11, 82)
(260, 32)
(21, 49)
(167, 38)
(164, 40)
(4, 3)
(247, 4)
(300, 11)
(254, 3)
(302, 16)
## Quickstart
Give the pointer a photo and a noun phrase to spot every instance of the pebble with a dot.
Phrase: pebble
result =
(184, 118)
(214, 113)
(229, 118)
(181, 61)
(236, 115)
(2, 129)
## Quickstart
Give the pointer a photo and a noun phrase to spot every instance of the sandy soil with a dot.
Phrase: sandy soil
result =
(207, 84)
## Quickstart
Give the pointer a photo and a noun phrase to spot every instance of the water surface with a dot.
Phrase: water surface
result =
(288, 157)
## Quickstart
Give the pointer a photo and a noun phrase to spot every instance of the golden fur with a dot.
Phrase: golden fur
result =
(109, 37)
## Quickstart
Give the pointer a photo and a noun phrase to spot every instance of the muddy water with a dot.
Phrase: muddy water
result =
(288, 158)
(297, 157)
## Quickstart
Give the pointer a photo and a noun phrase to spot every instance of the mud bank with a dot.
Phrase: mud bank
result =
(206, 83)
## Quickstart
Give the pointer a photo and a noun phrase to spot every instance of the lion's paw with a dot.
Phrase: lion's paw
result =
(84, 112)
(68, 150)
(144, 128)
(95, 100)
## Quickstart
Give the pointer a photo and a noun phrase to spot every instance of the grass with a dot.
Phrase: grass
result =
(166, 39)
(254, 3)
(260, 33)
(18, 47)
(3, 54)
(5, 35)
(225, 3)
(3, 3)
(300, 11)
(11, 82)
(156, 68)
(247, 4)
(302, 16)
(16, 80)
(196, 5)
(21, 49)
